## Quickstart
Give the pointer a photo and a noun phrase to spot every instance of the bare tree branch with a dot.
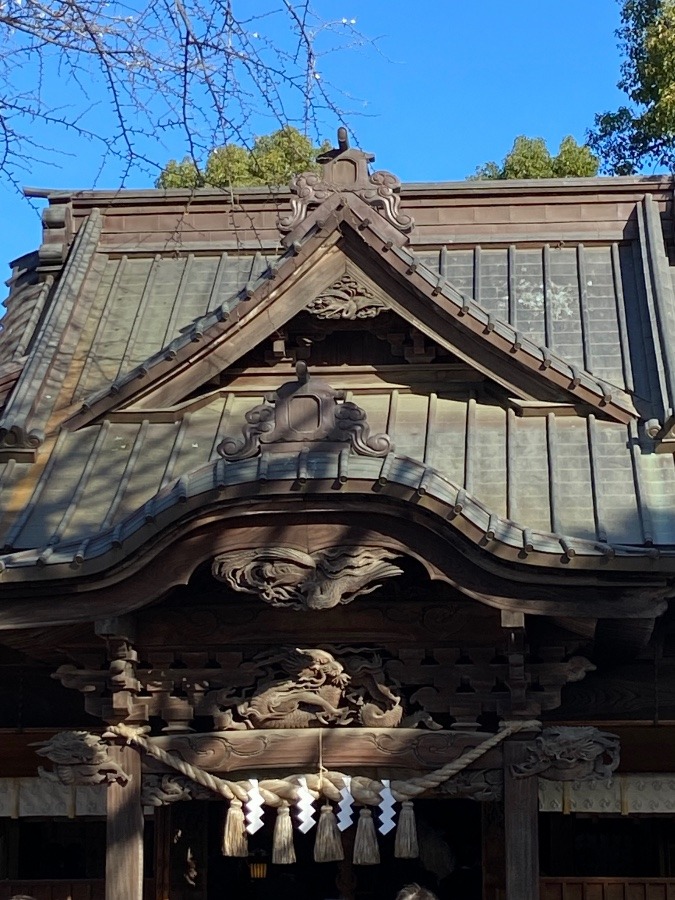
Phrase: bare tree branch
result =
(134, 76)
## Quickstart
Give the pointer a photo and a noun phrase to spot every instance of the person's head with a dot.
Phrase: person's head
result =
(415, 892)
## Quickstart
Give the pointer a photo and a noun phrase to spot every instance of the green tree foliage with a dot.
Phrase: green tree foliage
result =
(642, 132)
(272, 160)
(531, 158)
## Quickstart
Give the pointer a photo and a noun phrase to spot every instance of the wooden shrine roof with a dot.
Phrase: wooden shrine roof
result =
(557, 295)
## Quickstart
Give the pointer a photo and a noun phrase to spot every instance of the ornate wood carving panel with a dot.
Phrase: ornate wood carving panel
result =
(329, 685)
(291, 578)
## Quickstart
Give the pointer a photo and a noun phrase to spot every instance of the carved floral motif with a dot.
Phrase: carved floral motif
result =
(80, 758)
(314, 689)
(309, 190)
(346, 299)
(286, 577)
(571, 753)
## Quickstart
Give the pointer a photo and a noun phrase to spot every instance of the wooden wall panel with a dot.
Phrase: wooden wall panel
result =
(614, 892)
(54, 890)
(607, 889)
(85, 889)
(594, 892)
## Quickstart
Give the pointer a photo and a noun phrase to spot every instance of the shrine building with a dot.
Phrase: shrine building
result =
(337, 539)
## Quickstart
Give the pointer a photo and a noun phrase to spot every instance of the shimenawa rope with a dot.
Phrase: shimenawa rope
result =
(278, 792)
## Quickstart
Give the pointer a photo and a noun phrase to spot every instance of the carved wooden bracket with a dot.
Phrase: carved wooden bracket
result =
(112, 693)
(301, 413)
(346, 170)
(286, 577)
(80, 758)
(452, 684)
(571, 753)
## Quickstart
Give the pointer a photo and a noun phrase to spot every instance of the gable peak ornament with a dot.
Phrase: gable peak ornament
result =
(345, 170)
(346, 299)
(302, 413)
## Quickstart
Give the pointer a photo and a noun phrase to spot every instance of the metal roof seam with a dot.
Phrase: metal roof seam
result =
(418, 477)
(21, 411)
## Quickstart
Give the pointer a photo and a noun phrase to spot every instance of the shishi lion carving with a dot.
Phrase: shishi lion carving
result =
(286, 577)
(80, 758)
(318, 690)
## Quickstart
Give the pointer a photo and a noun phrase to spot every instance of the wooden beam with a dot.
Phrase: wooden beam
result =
(124, 832)
(299, 748)
(521, 827)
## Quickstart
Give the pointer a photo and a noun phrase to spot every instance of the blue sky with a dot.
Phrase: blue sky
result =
(447, 85)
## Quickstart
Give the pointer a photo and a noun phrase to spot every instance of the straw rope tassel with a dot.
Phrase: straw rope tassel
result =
(405, 845)
(283, 851)
(328, 844)
(366, 850)
(235, 841)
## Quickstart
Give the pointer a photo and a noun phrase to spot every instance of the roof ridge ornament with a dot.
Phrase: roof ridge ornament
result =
(301, 413)
(345, 170)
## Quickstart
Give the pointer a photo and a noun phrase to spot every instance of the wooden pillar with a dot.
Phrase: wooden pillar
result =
(124, 832)
(521, 827)
(162, 852)
(492, 851)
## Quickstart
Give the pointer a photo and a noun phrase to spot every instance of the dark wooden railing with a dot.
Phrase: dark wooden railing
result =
(550, 889)
(607, 889)
(80, 889)
(75, 889)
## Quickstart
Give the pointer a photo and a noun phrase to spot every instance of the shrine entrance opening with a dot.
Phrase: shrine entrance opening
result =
(449, 833)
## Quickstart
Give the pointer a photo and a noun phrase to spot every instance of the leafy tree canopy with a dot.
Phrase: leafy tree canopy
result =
(272, 160)
(642, 132)
(531, 158)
